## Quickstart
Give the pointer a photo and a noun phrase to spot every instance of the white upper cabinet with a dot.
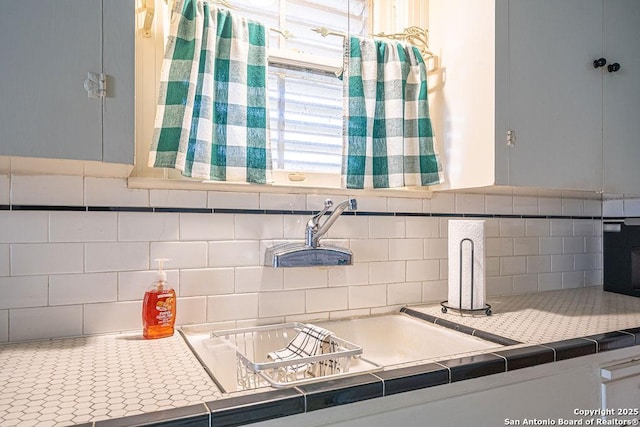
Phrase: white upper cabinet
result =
(48, 48)
(526, 69)
(621, 90)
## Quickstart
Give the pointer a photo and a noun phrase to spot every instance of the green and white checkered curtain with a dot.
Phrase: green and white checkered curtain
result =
(389, 140)
(211, 119)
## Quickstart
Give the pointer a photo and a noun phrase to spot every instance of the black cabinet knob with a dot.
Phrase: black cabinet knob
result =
(601, 62)
(612, 68)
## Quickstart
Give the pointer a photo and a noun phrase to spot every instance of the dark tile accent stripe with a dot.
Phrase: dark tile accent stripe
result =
(252, 408)
(568, 349)
(119, 209)
(635, 332)
(413, 378)
(524, 357)
(468, 367)
(187, 416)
(278, 212)
(487, 336)
(48, 208)
(612, 340)
(341, 391)
(184, 210)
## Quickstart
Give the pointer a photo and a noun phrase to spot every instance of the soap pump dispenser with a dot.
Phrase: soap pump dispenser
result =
(159, 307)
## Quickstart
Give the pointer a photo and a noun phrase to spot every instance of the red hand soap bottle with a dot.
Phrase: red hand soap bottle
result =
(159, 307)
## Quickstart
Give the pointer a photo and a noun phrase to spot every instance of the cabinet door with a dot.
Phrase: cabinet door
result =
(46, 51)
(555, 95)
(621, 91)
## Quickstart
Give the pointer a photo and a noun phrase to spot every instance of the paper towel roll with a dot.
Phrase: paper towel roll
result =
(459, 230)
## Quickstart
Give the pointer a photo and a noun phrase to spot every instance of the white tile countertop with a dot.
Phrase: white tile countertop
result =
(77, 380)
(550, 316)
(96, 378)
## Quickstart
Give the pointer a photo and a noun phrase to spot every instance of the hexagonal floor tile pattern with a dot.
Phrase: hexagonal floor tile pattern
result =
(77, 380)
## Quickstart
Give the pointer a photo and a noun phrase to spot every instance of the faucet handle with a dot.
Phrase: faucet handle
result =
(328, 203)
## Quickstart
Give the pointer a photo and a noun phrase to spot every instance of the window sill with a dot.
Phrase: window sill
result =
(282, 188)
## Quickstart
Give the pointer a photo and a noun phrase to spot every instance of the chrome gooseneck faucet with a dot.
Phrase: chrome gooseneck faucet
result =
(314, 230)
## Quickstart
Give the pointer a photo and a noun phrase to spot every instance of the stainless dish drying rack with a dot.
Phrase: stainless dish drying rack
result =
(254, 369)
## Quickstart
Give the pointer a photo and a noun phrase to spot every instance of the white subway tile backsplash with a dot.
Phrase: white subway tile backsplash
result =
(45, 322)
(470, 203)
(257, 279)
(549, 281)
(499, 246)
(400, 249)
(614, 208)
(502, 285)
(572, 279)
(283, 303)
(4, 260)
(195, 226)
(593, 278)
(315, 202)
(586, 262)
(434, 291)
(132, 285)
(550, 245)
(23, 227)
(525, 284)
(404, 204)
(113, 192)
(572, 207)
(4, 325)
(286, 202)
(593, 207)
(387, 272)
(372, 204)
(562, 263)
(525, 205)
(573, 245)
(64, 190)
(66, 289)
(180, 254)
(26, 291)
(328, 299)
(258, 227)
(550, 206)
(418, 271)
(499, 204)
(178, 198)
(562, 227)
(539, 264)
(191, 310)
(116, 256)
(442, 203)
(492, 266)
(108, 317)
(367, 296)
(512, 227)
(436, 248)
(294, 225)
(593, 244)
(83, 226)
(232, 307)
(386, 227)
(513, 265)
(537, 227)
(370, 249)
(631, 206)
(46, 258)
(143, 226)
(234, 253)
(492, 227)
(422, 227)
(356, 274)
(346, 227)
(525, 246)
(305, 277)
(5, 199)
(206, 281)
(232, 200)
(404, 293)
(584, 227)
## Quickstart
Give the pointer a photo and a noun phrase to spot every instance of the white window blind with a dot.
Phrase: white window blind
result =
(305, 97)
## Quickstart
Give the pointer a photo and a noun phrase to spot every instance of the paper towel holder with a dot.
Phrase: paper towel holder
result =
(445, 307)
